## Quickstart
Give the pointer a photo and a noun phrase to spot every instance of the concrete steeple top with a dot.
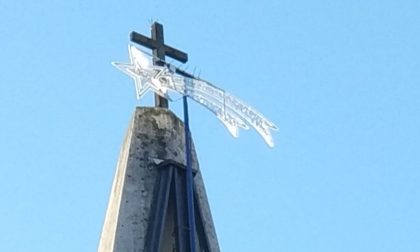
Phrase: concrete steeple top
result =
(154, 136)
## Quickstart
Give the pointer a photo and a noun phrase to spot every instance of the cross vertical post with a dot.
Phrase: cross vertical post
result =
(160, 50)
(158, 57)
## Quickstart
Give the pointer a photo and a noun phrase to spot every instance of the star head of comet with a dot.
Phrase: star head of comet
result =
(143, 72)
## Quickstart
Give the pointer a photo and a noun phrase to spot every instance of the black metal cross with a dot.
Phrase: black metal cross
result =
(156, 43)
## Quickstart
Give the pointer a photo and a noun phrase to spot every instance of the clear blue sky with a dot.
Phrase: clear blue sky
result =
(341, 79)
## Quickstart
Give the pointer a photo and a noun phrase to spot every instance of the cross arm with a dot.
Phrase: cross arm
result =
(153, 44)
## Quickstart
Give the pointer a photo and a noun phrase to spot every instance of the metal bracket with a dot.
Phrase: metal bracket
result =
(170, 192)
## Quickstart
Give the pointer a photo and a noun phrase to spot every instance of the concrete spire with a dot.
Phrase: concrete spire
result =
(139, 197)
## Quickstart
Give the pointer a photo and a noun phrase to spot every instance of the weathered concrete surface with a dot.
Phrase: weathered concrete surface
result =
(154, 133)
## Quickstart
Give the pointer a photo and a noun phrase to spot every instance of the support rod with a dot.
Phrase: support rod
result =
(189, 180)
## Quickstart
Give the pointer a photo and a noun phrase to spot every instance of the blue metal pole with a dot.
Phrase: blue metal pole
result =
(190, 182)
